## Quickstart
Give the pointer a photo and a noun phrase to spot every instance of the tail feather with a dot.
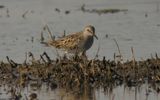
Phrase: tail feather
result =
(49, 43)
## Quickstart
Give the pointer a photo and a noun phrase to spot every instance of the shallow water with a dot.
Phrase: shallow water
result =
(144, 92)
(138, 28)
(130, 29)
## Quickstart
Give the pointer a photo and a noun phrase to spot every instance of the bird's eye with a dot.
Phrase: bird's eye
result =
(88, 30)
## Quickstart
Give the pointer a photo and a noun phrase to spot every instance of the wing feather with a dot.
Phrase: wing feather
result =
(68, 42)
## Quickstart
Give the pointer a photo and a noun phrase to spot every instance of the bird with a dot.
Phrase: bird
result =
(76, 43)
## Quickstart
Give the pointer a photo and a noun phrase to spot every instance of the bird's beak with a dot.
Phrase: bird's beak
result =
(93, 34)
(96, 37)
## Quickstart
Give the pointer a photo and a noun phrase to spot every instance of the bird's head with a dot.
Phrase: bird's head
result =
(90, 30)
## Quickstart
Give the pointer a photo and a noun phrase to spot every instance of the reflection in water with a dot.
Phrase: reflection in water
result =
(123, 92)
(144, 92)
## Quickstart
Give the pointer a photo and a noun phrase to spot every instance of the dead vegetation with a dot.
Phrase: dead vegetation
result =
(76, 73)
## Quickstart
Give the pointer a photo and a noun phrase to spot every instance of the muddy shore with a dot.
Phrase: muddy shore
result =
(78, 74)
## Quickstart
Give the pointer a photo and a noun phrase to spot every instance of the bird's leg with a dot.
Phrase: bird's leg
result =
(76, 57)
(65, 55)
(84, 53)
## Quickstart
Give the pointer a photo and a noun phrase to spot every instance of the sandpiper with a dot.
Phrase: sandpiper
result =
(76, 43)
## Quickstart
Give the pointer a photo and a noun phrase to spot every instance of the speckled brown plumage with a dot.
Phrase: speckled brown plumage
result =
(76, 42)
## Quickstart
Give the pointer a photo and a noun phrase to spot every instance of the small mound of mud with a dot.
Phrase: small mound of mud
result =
(102, 11)
(78, 73)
